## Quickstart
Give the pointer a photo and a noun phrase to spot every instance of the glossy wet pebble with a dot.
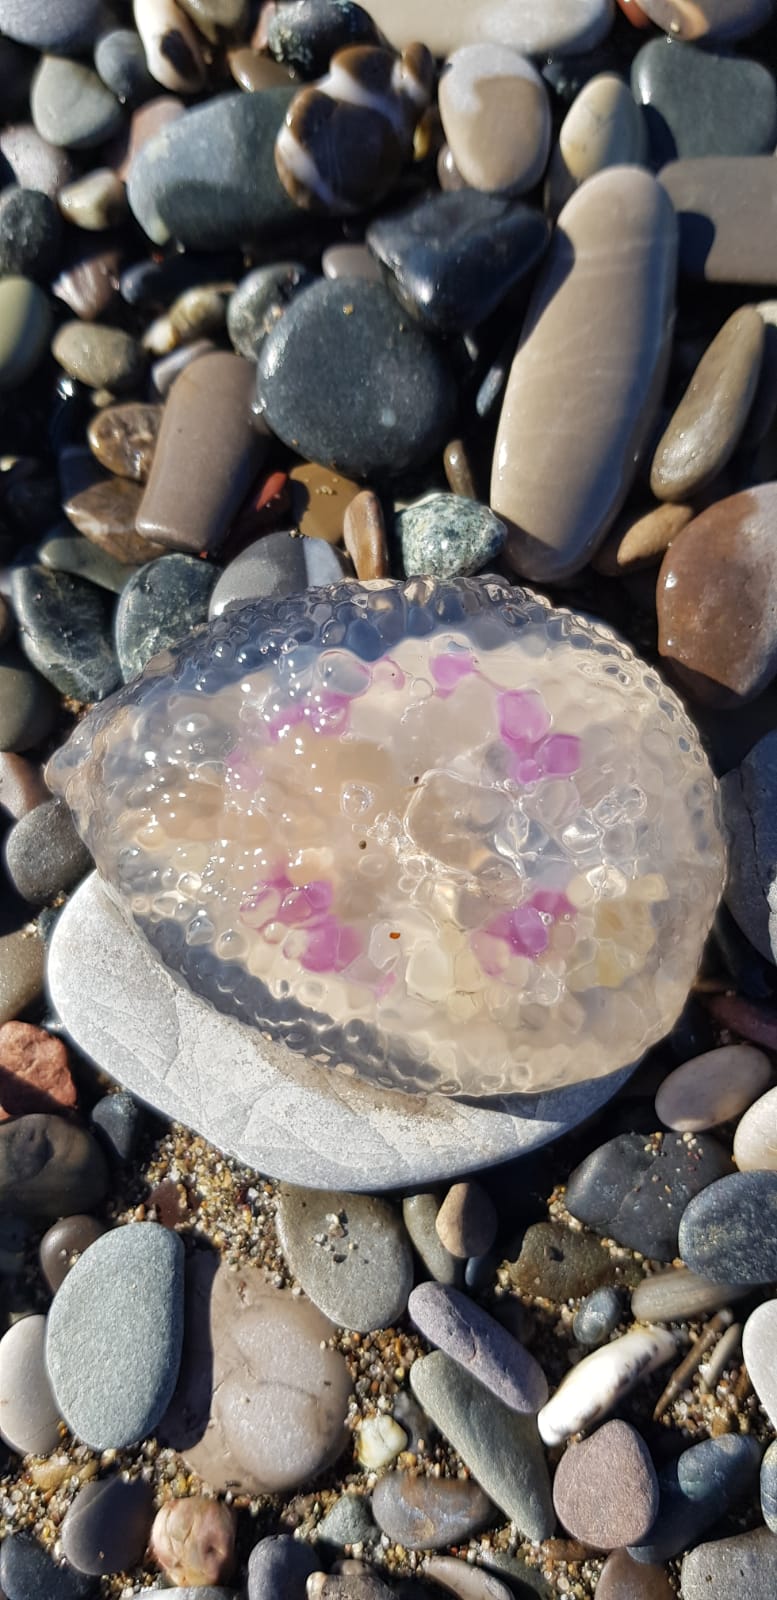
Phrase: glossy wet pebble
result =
(361, 1275)
(113, 1345)
(29, 1418)
(100, 356)
(259, 301)
(64, 627)
(605, 1490)
(25, 326)
(699, 102)
(633, 1189)
(466, 1333)
(495, 113)
(602, 128)
(63, 1243)
(537, 27)
(106, 1526)
(123, 438)
(712, 1088)
(26, 703)
(160, 607)
(708, 19)
(49, 1166)
(276, 564)
(704, 431)
(730, 1229)
(755, 1139)
(446, 536)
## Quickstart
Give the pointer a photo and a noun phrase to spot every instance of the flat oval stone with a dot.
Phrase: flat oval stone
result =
(64, 630)
(120, 61)
(277, 564)
(430, 1513)
(699, 103)
(345, 337)
(597, 1317)
(279, 1565)
(679, 1294)
(102, 357)
(44, 856)
(495, 113)
(48, 1166)
(25, 326)
(755, 1140)
(467, 1221)
(704, 431)
(63, 1243)
(458, 1327)
(633, 1189)
(71, 106)
(361, 1275)
(105, 1528)
(716, 599)
(447, 536)
(160, 607)
(26, 1570)
(501, 1448)
(536, 27)
(602, 128)
(557, 519)
(34, 162)
(29, 1418)
(622, 1578)
(106, 513)
(759, 1348)
(593, 1388)
(729, 1568)
(727, 217)
(123, 439)
(714, 19)
(712, 1088)
(113, 1344)
(605, 1490)
(729, 1231)
(697, 1490)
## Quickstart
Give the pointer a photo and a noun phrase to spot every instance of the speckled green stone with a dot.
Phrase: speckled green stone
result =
(25, 329)
(446, 536)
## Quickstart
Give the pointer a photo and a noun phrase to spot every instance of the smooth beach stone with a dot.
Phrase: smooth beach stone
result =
(260, 300)
(452, 258)
(89, 280)
(63, 1243)
(27, 1570)
(536, 27)
(160, 607)
(446, 536)
(466, 1333)
(218, 20)
(105, 512)
(345, 337)
(115, 1329)
(25, 328)
(605, 1490)
(597, 1317)
(349, 1521)
(29, 1419)
(712, 1088)
(172, 45)
(501, 1448)
(350, 261)
(622, 1578)
(729, 1231)
(696, 1491)
(602, 128)
(593, 1388)
(581, 304)
(642, 540)
(419, 1214)
(698, 103)
(747, 793)
(120, 61)
(759, 1346)
(727, 217)
(704, 431)
(464, 1580)
(280, 1565)
(94, 202)
(105, 1528)
(21, 972)
(716, 612)
(102, 357)
(713, 19)
(71, 106)
(731, 1568)
(193, 1540)
(306, 33)
(276, 564)
(252, 71)
(237, 1419)
(176, 190)
(62, 550)
(634, 1189)
(27, 705)
(146, 121)
(495, 113)
(432, 630)
(44, 854)
(364, 536)
(362, 1274)
(679, 1294)
(35, 1071)
(30, 234)
(33, 162)
(63, 628)
(22, 785)
(60, 25)
(429, 1513)
(755, 1139)
(768, 1486)
(207, 456)
(48, 1166)
(467, 1221)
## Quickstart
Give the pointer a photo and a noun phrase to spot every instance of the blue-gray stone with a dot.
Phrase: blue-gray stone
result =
(71, 106)
(633, 1188)
(280, 1565)
(64, 550)
(58, 25)
(700, 103)
(729, 1231)
(732, 1569)
(446, 536)
(597, 1317)
(121, 64)
(30, 234)
(117, 1120)
(769, 1487)
(161, 607)
(697, 1490)
(277, 564)
(349, 1521)
(27, 1572)
(749, 795)
(64, 629)
(259, 300)
(115, 1330)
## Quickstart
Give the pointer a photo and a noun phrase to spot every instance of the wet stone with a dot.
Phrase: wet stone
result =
(755, 1140)
(63, 1243)
(25, 326)
(22, 785)
(634, 1189)
(27, 1570)
(537, 27)
(466, 1333)
(622, 1578)
(260, 300)
(30, 234)
(160, 607)
(116, 1119)
(120, 61)
(34, 1071)
(346, 337)
(602, 128)
(349, 1252)
(452, 258)
(171, 44)
(727, 217)
(495, 113)
(713, 1088)
(280, 1565)
(704, 431)
(276, 564)
(701, 103)
(729, 1231)
(62, 550)
(27, 706)
(446, 536)
(429, 1513)
(716, 613)
(605, 1490)
(748, 811)
(697, 1490)
(106, 1526)
(306, 33)
(597, 1317)
(99, 356)
(94, 202)
(559, 1264)
(364, 536)
(708, 19)
(64, 630)
(29, 1419)
(319, 501)
(71, 106)
(468, 1582)
(105, 513)
(252, 71)
(349, 1521)
(89, 280)
(48, 1166)
(350, 261)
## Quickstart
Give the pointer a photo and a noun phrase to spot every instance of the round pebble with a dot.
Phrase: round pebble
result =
(605, 1490)
(729, 1231)
(48, 1166)
(446, 536)
(71, 106)
(419, 1214)
(712, 1088)
(123, 438)
(26, 703)
(27, 1570)
(350, 1253)
(106, 1526)
(633, 1189)
(496, 117)
(25, 325)
(63, 1243)
(755, 1139)
(44, 854)
(116, 1119)
(597, 1317)
(193, 1540)
(622, 1578)
(29, 1418)
(102, 357)
(276, 564)
(466, 1221)
(280, 1565)
(30, 234)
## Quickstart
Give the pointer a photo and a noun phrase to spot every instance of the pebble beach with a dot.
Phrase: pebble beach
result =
(345, 1258)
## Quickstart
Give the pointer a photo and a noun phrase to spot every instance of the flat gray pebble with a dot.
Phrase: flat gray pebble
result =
(597, 1317)
(349, 1521)
(731, 1569)
(106, 1527)
(71, 106)
(278, 1566)
(430, 1513)
(44, 854)
(729, 1231)
(160, 607)
(277, 564)
(350, 1253)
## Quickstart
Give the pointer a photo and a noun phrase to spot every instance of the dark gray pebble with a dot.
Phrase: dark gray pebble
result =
(71, 106)
(161, 607)
(121, 64)
(30, 234)
(343, 338)
(276, 564)
(634, 1188)
(63, 1243)
(750, 817)
(348, 1522)
(106, 1526)
(700, 103)
(27, 1572)
(697, 1490)
(280, 1565)
(27, 705)
(64, 626)
(306, 33)
(49, 1167)
(260, 300)
(64, 550)
(729, 1231)
(44, 854)
(598, 1317)
(116, 1120)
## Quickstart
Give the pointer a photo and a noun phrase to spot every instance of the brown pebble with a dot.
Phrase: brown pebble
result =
(625, 1579)
(727, 217)
(704, 431)
(642, 542)
(105, 513)
(22, 785)
(364, 532)
(466, 1222)
(170, 1201)
(147, 120)
(34, 1071)
(717, 599)
(746, 1017)
(21, 972)
(458, 470)
(252, 71)
(193, 1541)
(62, 1245)
(319, 499)
(350, 261)
(89, 282)
(123, 438)
(695, 19)
(605, 1490)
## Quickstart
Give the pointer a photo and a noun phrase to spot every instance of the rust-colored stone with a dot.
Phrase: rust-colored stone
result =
(34, 1071)
(364, 531)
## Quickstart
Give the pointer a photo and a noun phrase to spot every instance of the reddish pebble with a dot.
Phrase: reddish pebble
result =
(34, 1071)
(635, 14)
(466, 1221)
(193, 1541)
(364, 534)
(265, 511)
(22, 787)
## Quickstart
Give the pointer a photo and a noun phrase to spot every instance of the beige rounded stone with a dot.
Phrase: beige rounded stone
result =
(712, 1087)
(495, 113)
(538, 27)
(604, 127)
(704, 431)
(173, 54)
(755, 1141)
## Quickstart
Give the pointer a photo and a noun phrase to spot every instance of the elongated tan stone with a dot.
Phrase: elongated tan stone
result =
(537, 27)
(716, 19)
(727, 215)
(495, 113)
(588, 374)
(604, 127)
(640, 539)
(704, 431)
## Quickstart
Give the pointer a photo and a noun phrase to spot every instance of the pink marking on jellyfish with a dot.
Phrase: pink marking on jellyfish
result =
(331, 946)
(241, 771)
(523, 719)
(490, 953)
(449, 668)
(552, 903)
(384, 985)
(559, 756)
(388, 674)
(523, 929)
(525, 770)
(329, 713)
(284, 719)
(266, 897)
(305, 903)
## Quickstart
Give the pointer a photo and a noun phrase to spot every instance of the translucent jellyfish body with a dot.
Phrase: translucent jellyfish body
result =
(437, 833)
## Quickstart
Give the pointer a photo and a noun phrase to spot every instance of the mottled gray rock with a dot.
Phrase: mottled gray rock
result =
(350, 1253)
(259, 1101)
(731, 1569)
(160, 607)
(60, 25)
(633, 1189)
(729, 1231)
(44, 854)
(430, 1513)
(349, 1521)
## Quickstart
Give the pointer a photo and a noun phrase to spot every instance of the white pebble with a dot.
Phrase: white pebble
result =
(713, 1087)
(380, 1439)
(755, 1141)
(161, 24)
(600, 1380)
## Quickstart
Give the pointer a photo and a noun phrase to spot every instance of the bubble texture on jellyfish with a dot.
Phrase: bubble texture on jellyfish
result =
(439, 833)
